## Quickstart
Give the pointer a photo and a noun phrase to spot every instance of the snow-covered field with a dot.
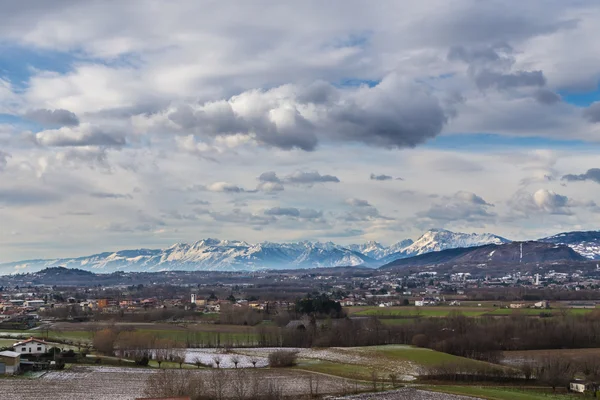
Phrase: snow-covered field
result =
(90, 383)
(208, 357)
(344, 355)
(117, 383)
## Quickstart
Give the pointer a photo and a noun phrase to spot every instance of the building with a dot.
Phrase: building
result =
(9, 362)
(34, 303)
(582, 386)
(31, 346)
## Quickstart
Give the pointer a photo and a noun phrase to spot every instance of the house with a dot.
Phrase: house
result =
(34, 303)
(581, 386)
(9, 362)
(516, 305)
(31, 346)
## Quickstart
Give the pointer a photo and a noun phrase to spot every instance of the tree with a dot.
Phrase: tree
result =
(175, 383)
(555, 371)
(104, 341)
(235, 359)
(178, 356)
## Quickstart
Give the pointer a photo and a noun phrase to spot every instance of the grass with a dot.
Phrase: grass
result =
(419, 356)
(350, 371)
(416, 312)
(7, 342)
(402, 359)
(501, 393)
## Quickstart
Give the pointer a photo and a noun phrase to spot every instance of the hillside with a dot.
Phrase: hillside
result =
(515, 253)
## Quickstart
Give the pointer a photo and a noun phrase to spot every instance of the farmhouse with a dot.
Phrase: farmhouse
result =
(582, 386)
(31, 346)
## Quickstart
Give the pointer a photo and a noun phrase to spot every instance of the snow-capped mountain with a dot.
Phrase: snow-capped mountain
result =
(378, 251)
(441, 239)
(437, 240)
(209, 255)
(585, 243)
(228, 255)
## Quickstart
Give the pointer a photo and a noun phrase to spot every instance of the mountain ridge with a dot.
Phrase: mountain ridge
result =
(212, 254)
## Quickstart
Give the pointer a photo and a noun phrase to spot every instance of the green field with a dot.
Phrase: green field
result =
(417, 312)
(360, 362)
(408, 312)
(501, 393)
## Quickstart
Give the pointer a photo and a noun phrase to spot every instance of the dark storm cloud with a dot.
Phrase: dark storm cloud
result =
(592, 174)
(57, 117)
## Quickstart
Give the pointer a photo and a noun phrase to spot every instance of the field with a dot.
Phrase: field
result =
(113, 383)
(406, 362)
(518, 357)
(502, 393)
(486, 309)
(405, 394)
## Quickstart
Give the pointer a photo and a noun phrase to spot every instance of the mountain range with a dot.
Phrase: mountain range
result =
(231, 255)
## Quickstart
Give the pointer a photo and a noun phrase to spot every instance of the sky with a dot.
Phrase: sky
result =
(147, 123)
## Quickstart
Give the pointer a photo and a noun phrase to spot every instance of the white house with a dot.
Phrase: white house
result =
(581, 386)
(34, 303)
(31, 346)
(9, 362)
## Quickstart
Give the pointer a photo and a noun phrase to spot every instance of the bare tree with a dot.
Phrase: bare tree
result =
(175, 383)
(217, 360)
(178, 356)
(240, 385)
(235, 359)
(555, 371)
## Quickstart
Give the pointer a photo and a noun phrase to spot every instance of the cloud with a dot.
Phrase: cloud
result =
(357, 202)
(462, 206)
(470, 197)
(82, 135)
(393, 114)
(47, 117)
(270, 187)
(107, 195)
(225, 187)
(592, 113)
(3, 159)
(305, 213)
(542, 201)
(492, 67)
(545, 96)
(23, 196)
(269, 176)
(309, 178)
(238, 216)
(381, 177)
(592, 174)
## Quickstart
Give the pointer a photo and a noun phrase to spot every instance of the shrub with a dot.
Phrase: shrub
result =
(420, 340)
(283, 358)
